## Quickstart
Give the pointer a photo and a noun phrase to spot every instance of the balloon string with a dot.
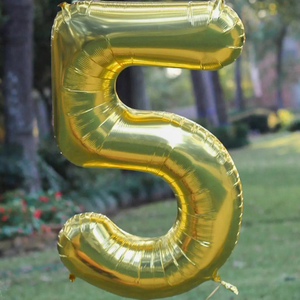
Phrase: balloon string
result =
(213, 292)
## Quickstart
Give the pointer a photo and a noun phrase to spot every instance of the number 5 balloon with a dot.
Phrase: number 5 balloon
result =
(91, 44)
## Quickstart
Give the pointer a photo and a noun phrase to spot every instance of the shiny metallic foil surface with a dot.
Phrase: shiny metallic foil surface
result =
(91, 44)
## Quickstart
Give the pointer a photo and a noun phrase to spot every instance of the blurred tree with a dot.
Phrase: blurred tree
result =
(221, 109)
(239, 95)
(209, 96)
(139, 98)
(2, 19)
(44, 15)
(210, 102)
(277, 16)
(17, 87)
(131, 88)
(168, 88)
(254, 72)
(200, 94)
(254, 45)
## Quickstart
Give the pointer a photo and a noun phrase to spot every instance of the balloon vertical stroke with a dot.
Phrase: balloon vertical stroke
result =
(91, 44)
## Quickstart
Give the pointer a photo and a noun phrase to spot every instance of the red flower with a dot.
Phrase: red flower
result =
(37, 214)
(45, 228)
(2, 209)
(43, 198)
(4, 218)
(58, 194)
(24, 206)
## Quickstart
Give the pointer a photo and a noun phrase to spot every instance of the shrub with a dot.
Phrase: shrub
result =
(11, 168)
(274, 122)
(294, 126)
(22, 214)
(103, 190)
(256, 119)
(285, 117)
(256, 122)
(281, 119)
(234, 136)
(72, 178)
(264, 120)
(231, 136)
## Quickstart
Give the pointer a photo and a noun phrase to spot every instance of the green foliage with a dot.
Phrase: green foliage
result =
(269, 21)
(22, 214)
(264, 265)
(103, 190)
(3, 19)
(264, 120)
(281, 119)
(256, 119)
(100, 189)
(44, 15)
(288, 9)
(166, 89)
(11, 168)
(232, 136)
(294, 126)
(256, 122)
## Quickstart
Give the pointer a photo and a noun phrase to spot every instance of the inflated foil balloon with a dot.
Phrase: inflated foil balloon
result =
(91, 44)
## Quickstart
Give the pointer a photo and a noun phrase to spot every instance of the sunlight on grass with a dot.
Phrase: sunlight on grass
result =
(264, 265)
(291, 141)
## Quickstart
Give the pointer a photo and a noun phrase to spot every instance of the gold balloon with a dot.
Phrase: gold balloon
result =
(91, 44)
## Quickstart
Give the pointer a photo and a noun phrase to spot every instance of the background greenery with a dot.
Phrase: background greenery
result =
(264, 264)
(225, 101)
(247, 105)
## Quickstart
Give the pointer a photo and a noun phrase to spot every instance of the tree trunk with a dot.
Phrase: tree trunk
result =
(198, 87)
(279, 54)
(211, 108)
(124, 87)
(138, 88)
(131, 88)
(219, 99)
(17, 86)
(41, 114)
(255, 74)
(205, 97)
(239, 95)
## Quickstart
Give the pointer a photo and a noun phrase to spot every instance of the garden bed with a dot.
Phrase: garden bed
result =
(36, 241)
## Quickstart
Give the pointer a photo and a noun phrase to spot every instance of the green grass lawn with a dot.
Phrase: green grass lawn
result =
(264, 265)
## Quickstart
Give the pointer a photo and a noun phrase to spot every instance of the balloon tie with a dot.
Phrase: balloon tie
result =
(72, 277)
(230, 287)
(227, 285)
